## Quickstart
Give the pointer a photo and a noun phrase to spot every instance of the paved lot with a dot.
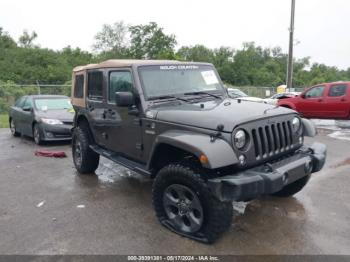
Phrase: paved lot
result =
(116, 215)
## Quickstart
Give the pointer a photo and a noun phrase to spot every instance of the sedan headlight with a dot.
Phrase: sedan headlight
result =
(51, 121)
(240, 139)
(296, 124)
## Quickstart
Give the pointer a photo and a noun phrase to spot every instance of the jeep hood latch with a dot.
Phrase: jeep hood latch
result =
(217, 134)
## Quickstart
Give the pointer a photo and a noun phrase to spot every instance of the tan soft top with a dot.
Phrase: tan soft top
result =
(125, 63)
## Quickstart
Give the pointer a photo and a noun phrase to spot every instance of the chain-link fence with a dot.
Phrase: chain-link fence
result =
(262, 92)
(10, 92)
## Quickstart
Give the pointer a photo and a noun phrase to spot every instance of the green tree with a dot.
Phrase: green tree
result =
(197, 53)
(26, 40)
(112, 37)
(6, 41)
(150, 42)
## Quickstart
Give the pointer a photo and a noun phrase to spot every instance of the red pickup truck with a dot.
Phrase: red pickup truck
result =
(329, 100)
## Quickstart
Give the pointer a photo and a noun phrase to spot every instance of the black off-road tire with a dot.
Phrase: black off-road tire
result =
(88, 160)
(13, 128)
(293, 188)
(217, 215)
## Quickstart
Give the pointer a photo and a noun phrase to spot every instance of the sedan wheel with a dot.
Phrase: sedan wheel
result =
(13, 128)
(37, 135)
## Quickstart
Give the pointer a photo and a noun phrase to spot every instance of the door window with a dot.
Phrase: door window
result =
(28, 103)
(315, 92)
(119, 81)
(337, 90)
(20, 102)
(79, 86)
(95, 84)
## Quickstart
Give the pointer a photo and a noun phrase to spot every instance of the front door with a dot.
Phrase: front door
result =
(123, 123)
(27, 116)
(311, 103)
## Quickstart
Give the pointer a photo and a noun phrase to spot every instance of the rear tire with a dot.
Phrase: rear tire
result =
(13, 129)
(182, 198)
(293, 188)
(85, 159)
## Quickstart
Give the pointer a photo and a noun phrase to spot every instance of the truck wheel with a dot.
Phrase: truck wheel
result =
(14, 129)
(184, 204)
(293, 188)
(85, 159)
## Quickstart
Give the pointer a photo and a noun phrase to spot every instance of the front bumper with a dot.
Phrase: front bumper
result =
(269, 177)
(56, 132)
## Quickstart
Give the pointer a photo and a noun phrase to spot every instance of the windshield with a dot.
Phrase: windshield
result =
(236, 93)
(158, 81)
(53, 104)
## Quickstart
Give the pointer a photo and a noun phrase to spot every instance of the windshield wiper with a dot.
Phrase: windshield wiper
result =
(167, 97)
(202, 93)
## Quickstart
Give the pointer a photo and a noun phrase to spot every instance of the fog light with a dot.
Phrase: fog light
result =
(241, 159)
(49, 134)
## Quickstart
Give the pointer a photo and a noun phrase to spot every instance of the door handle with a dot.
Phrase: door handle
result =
(91, 108)
(320, 100)
(343, 99)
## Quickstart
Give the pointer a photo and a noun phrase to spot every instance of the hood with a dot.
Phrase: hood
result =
(210, 114)
(65, 115)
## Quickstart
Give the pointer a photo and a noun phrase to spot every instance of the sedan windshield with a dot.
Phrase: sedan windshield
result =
(53, 104)
(177, 80)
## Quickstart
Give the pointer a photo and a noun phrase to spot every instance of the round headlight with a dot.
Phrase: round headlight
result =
(296, 124)
(240, 139)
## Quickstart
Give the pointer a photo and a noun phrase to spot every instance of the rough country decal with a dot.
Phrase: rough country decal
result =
(178, 67)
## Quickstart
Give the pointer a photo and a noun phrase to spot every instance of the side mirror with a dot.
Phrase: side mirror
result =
(124, 99)
(27, 108)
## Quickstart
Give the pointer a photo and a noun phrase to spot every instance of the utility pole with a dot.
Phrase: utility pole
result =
(290, 53)
(38, 85)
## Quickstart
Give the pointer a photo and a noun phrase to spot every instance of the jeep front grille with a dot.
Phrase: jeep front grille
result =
(272, 139)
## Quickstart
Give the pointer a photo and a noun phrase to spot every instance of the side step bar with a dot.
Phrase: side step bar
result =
(117, 158)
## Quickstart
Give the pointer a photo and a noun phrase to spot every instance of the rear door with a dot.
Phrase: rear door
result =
(337, 101)
(95, 103)
(16, 111)
(312, 102)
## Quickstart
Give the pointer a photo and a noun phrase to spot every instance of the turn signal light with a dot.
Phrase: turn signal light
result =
(203, 159)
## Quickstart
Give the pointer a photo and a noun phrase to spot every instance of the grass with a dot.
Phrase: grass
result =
(4, 120)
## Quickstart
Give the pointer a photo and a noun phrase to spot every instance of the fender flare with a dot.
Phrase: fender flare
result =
(308, 127)
(219, 153)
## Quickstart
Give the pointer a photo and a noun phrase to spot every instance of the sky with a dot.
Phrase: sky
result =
(321, 26)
